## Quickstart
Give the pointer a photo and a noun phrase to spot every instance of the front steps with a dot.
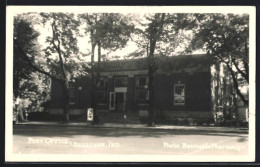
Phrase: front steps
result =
(117, 117)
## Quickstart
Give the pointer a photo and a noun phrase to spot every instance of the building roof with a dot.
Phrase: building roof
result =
(165, 63)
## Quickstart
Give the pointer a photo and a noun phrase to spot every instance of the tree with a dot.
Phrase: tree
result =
(154, 31)
(28, 84)
(26, 36)
(108, 31)
(159, 36)
(225, 38)
(59, 59)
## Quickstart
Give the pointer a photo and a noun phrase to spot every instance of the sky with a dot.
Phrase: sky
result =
(85, 46)
(84, 43)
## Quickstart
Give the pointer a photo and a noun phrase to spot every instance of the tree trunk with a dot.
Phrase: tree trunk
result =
(151, 71)
(65, 87)
(151, 96)
(154, 35)
(98, 63)
(96, 85)
(92, 74)
(20, 112)
(93, 79)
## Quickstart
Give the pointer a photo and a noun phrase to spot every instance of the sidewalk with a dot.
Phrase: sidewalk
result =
(211, 128)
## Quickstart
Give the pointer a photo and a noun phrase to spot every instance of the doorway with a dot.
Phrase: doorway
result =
(120, 101)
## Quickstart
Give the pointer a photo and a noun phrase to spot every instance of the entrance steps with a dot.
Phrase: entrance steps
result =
(117, 117)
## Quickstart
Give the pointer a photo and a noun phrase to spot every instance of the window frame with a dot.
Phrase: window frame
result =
(138, 89)
(72, 93)
(175, 94)
(123, 84)
(104, 99)
(102, 89)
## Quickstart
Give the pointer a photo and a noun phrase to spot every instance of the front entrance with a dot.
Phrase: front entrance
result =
(118, 101)
(119, 106)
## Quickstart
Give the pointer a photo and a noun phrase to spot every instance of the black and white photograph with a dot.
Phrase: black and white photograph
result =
(130, 84)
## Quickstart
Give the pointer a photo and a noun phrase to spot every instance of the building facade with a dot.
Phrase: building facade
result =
(182, 90)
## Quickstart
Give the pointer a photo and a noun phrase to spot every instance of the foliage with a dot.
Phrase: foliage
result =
(225, 37)
(62, 50)
(36, 90)
(111, 30)
(59, 59)
(28, 84)
(160, 38)
(108, 31)
(26, 36)
(168, 42)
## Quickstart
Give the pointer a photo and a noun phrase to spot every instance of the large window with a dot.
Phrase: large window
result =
(120, 82)
(179, 94)
(102, 91)
(101, 97)
(141, 90)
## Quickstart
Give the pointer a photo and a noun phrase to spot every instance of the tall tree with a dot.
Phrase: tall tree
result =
(108, 31)
(26, 36)
(60, 55)
(27, 83)
(225, 38)
(159, 37)
(154, 31)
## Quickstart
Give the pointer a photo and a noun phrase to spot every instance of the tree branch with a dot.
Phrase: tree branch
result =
(245, 60)
(31, 64)
(245, 101)
(160, 28)
(239, 70)
(57, 47)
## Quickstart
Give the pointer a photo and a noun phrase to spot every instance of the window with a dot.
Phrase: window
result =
(102, 83)
(141, 90)
(179, 94)
(102, 91)
(72, 96)
(121, 82)
(101, 97)
(72, 92)
(112, 101)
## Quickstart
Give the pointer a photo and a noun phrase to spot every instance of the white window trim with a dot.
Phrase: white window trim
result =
(179, 104)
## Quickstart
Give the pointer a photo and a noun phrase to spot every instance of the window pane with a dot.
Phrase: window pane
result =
(179, 94)
(102, 83)
(140, 91)
(121, 82)
(142, 81)
(141, 94)
(179, 90)
(101, 97)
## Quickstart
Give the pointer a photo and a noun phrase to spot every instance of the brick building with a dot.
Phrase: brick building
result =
(182, 90)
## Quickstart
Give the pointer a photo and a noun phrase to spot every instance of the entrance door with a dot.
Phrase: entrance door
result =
(120, 102)
(117, 101)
